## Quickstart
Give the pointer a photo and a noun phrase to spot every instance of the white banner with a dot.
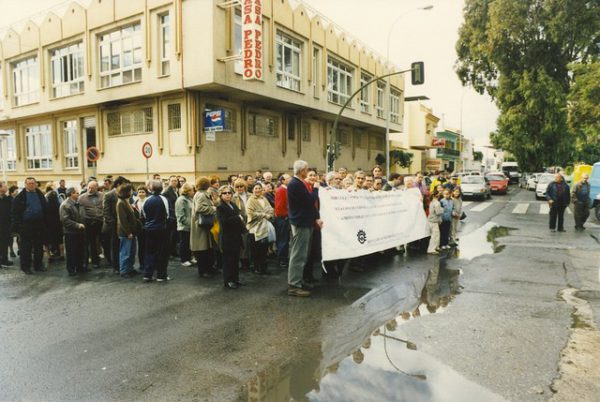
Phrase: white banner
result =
(362, 222)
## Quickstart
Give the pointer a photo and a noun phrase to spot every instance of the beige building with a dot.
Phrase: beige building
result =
(419, 131)
(118, 74)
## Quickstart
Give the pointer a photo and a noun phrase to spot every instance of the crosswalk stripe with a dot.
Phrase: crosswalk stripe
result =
(481, 206)
(467, 203)
(544, 209)
(521, 208)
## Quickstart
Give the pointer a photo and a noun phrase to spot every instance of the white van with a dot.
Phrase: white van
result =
(511, 170)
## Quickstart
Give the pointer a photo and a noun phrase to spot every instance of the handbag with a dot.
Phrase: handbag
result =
(463, 216)
(206, 221)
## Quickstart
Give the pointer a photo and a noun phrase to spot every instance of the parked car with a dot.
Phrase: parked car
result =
(532, 181)
(523, 180)
(595, 189)
(498, 183)
(542, 184)
(476, 187)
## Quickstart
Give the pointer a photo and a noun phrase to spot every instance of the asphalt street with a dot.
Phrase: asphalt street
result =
(482, 322)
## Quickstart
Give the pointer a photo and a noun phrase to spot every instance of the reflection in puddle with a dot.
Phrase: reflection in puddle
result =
(482, 241)
(366, 358)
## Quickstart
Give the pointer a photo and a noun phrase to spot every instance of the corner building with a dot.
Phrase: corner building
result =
(121, 73)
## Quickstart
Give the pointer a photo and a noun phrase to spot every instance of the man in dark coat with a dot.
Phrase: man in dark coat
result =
(170, 193)
(28, 220)
(72, 217)
(581, 201)
(5, 206)
(109, 226)
(558, 196)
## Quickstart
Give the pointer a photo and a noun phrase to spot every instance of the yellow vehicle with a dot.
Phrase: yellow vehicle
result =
(435, 182)
(578, 171)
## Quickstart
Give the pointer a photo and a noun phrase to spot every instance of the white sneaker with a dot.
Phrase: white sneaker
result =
(193, 261)
(186, 264)
(168, 278)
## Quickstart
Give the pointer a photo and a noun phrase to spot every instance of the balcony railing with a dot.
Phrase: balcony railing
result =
(447, 152)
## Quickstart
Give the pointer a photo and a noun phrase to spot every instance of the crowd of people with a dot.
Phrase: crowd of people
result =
(216, 227)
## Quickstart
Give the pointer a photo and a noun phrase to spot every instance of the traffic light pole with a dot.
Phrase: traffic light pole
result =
(332, 147)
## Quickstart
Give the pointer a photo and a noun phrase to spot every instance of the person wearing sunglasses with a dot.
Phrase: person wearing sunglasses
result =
(232, 227)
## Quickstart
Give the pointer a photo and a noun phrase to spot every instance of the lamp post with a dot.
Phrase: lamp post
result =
(4, 151)
(387, 87)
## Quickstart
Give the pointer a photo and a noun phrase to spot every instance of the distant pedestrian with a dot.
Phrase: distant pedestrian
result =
(282, 223)
(201, 239)
(156, 256)
(111, 242)
(232, 226)
(128, 226)
(558, 197)
(171, 194)
(303, 216)
(435, 219)
(5, 238)
(456, 214)
(447, 206)
(581, 201)
(91, 201)
(183, 212)
(29, 221)
(72, 217)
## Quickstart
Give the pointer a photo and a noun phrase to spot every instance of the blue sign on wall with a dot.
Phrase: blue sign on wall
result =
(214, 120)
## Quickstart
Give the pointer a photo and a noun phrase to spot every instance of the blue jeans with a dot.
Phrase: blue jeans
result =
(126, 254)
(282, 230)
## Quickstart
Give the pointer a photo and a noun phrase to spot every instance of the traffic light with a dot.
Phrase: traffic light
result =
(417, 73)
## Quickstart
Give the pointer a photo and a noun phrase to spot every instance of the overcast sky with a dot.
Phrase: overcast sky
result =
(416, 35)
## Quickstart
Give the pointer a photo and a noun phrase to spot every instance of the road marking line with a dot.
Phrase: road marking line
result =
(544, 209)
(467, 203)
(521, 208)
(481, 206)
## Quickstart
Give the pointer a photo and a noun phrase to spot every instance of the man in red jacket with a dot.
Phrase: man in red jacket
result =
(282, 224)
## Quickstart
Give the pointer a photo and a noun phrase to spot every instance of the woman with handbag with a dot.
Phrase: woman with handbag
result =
(259, 212)
(232, 227)
(203, 218)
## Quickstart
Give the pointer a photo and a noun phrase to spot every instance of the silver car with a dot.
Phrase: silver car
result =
(476, 187)
(542, 185)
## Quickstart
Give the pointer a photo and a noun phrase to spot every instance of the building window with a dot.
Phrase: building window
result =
(305, 131)
(11, 152)
(121, 56)
(316, 64)
(26, 81)
(376, 142)
(71, 149)
(394, 106)
(165, 43)
(365, 97)
(137, 121)
(361, 139)
(291, 123)
(339, 83)
(39, 147)
(262, 125)
(67, 70)
(230, 117)
(174, 116)
(288, 53)
(380, 97)
(344, 137)
(237, 38)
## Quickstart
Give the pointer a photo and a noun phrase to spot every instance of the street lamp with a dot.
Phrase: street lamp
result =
(387, 87)
(4, 134)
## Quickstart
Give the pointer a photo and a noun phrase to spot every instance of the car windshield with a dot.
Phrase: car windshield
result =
(472, 180)
(545, 179)
(510, 168)
(494, 177)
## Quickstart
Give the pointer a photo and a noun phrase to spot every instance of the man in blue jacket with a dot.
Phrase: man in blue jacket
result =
(303, 215)
(156, 255)
(558, 196)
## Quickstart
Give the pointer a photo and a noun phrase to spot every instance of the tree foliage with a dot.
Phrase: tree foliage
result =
(477, 156)
(584, 112)
(519, 52)
(401, 158)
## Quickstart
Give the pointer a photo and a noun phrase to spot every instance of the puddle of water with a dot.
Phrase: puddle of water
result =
(482, 241)
(365, 358)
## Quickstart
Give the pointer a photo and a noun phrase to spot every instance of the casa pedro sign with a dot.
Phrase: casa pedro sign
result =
(252, 39)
